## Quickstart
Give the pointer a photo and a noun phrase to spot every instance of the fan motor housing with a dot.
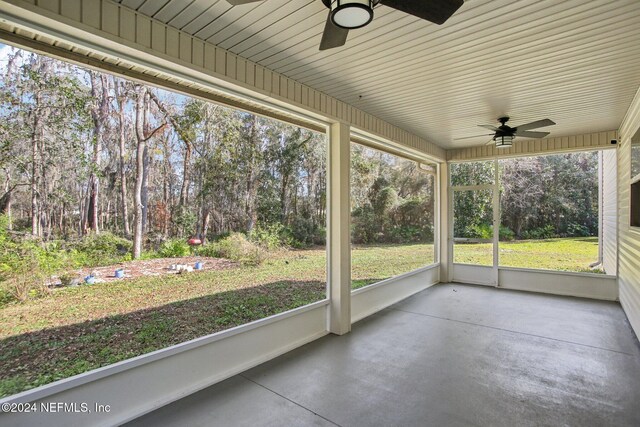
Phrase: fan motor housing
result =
(503, 129)
(350, 14)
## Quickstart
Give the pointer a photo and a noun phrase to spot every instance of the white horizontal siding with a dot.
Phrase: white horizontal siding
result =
(629, 238)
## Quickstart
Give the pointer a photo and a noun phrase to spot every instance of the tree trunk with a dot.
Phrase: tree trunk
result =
(284, 184)
(122, 139)
(63, 220)
(252, 177)
(186, 176)
(81, 218)
(145, 188)
(166, 186)
(106, 215)
(142, 136)
(35, 154)
(99, 114)
(205, 225)
(5, 203)
(140, 148)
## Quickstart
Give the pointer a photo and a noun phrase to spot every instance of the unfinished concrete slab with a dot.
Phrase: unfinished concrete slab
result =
(453, 355)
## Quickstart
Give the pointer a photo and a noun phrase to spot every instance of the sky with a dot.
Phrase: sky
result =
(4, 53)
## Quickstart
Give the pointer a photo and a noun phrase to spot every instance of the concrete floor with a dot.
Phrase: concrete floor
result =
(453, 355)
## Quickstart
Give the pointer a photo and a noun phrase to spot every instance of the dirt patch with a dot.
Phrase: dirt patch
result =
(151, 267)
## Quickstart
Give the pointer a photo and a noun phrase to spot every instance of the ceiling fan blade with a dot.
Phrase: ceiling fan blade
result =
(491, 142)
(537, 124)
(475, 136)
(436, 11)
(333, 36)
(493, 128)
(239, 2)
(529, 134)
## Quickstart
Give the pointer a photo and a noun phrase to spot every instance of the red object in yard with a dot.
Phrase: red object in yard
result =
(194, 241)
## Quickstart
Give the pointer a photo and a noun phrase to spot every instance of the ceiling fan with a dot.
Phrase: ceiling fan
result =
(345, 15)
(504, 135)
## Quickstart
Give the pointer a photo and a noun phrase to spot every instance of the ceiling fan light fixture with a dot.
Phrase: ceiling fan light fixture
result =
(504, 141)
(351, 14)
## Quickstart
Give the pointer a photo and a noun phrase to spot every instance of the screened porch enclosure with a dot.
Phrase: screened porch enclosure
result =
(550, 213)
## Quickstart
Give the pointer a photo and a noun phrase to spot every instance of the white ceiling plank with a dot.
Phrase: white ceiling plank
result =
(574, 61)
(133, 4)
(151, 7)
(259, 29)
(278, 33)
(203, 19)
(467, 80)
(466, 47)
(174, 8)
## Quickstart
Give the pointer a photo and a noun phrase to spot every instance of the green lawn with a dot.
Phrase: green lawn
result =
(567, 254)
(73, 330)
(370, 264)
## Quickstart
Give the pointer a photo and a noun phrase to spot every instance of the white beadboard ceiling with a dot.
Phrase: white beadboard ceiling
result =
(576, 62)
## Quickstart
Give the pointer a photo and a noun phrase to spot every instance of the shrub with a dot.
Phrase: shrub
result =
(363, 225)
(305, 232)
(101, 249)
(174, 248)
(271, 236)
(209, 249)
(479, 231)
(320, 236)
(6, 297)
(577, 230)
(546, 232)
(237, 248)
(411, 234)
(506, 234)
(24, 265)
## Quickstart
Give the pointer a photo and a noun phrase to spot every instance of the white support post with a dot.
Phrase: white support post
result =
(496, 221)
(339, 261)
(445, 235)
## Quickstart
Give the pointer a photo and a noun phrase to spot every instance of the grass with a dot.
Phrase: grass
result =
(565, 254)
(370, 264)
(73, 330)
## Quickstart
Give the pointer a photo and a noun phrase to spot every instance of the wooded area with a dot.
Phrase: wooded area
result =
(84, 153)
(392, 199)
(540, 197)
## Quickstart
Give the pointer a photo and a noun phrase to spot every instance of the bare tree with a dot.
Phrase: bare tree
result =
(142, 136)
(187, 139)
